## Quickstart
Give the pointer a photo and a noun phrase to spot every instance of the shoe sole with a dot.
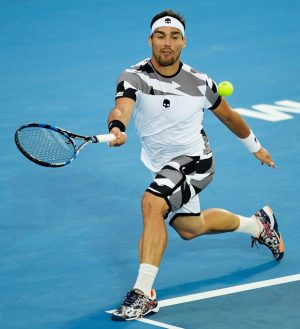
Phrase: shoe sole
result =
(120, 318)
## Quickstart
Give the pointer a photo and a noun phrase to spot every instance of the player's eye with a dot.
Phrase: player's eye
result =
(175, 36)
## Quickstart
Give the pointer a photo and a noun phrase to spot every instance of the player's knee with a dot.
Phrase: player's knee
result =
(152, 204)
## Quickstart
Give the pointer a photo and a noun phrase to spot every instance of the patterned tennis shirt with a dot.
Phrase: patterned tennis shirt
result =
(169, 111)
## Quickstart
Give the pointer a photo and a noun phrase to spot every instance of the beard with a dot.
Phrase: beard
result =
(167, 62)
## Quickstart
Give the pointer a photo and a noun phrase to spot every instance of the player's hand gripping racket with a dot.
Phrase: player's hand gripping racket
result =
(51, 146)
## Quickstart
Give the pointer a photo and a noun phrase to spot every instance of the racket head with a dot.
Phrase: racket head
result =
(45, 145)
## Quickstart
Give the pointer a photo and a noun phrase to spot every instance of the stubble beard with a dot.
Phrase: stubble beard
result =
(168, 62)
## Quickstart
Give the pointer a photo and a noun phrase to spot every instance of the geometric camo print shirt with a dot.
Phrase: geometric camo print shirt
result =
(169, 111)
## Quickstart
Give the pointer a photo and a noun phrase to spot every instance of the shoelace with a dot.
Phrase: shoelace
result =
(267, 237)
(132, 299)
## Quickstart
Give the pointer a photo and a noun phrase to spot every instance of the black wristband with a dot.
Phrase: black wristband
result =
(116, 123)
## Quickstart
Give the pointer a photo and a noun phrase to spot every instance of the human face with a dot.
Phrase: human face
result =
(166, 43)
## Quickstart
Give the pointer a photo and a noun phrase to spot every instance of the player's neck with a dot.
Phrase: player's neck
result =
(169, 70)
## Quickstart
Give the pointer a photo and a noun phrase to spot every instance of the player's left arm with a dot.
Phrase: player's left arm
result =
(235, 123)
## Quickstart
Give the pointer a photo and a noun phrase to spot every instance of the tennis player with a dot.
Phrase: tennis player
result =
(167, 99)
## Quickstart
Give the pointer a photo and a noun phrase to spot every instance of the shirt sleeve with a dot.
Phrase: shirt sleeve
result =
(213, 98)
(127, 85)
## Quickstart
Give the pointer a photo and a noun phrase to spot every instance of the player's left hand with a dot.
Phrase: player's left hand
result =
(264, 157)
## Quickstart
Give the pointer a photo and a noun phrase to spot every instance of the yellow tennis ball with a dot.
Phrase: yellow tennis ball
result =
(225, 88)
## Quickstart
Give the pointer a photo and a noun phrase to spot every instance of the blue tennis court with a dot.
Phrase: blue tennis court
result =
(68, 236)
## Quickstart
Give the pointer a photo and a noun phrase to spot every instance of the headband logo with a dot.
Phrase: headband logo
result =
(168, 21)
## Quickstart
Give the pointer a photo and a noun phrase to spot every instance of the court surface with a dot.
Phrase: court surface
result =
(68, 236)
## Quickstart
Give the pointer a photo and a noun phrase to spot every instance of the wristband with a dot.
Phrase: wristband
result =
(251, 142)
(118, 124)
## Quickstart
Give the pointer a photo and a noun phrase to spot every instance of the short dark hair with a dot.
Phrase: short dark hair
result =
(171, 13)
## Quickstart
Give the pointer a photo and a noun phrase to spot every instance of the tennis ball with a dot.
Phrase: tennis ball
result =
(225, 88)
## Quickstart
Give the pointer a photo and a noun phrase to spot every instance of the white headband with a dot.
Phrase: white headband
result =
(168, 21)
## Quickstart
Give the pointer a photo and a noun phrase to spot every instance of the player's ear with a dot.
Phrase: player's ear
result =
(150, 40)
(184, 42)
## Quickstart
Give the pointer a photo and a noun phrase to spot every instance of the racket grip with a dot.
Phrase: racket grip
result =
(105, 138)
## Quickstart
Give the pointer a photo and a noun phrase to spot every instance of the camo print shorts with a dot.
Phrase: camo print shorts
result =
(180, 181)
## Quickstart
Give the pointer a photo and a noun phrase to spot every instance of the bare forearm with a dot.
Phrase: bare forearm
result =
(122, 111)
(232, 120)
(118, 120)
(237, 125)
(117, 114)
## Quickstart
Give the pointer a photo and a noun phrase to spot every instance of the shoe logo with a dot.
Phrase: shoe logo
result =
(166, 103)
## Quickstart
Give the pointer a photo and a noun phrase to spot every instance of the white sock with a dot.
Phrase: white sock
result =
(249, 225)
(146, 277)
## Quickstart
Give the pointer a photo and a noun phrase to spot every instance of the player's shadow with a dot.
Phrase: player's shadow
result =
(101, 320)
(98, 320)
(232, 278)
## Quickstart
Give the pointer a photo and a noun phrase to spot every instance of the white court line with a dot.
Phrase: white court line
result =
(154, 323)
(216, 293)
(227, 291)
(159, 324)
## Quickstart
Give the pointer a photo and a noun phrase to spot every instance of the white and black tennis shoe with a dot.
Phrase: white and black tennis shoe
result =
(135, 306)
(270, 235)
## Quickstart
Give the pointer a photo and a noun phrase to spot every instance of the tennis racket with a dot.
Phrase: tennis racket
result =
(51, 146)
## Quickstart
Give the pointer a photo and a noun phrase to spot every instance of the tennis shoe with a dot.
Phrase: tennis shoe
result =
(269, 236)
(136, 305)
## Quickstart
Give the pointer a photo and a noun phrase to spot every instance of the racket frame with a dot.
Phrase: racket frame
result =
(69, 135)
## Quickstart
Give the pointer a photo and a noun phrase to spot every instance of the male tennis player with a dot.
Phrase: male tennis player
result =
(167, 99)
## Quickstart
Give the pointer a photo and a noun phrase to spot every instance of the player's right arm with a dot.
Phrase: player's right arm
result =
(119, 118)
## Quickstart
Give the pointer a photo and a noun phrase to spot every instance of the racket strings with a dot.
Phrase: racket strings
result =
(46, 145)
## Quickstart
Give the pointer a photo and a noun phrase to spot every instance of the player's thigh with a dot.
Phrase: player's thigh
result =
(189, 226)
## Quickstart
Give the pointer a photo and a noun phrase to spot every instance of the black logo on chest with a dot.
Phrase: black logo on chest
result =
(166, 103)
